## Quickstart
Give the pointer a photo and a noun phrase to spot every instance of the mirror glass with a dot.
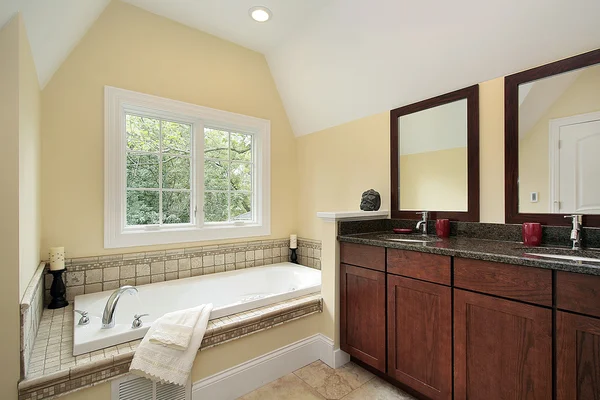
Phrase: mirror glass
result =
(559, 143)
(432, 152)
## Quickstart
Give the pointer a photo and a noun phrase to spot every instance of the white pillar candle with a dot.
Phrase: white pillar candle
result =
(293, 241)
(57, 258)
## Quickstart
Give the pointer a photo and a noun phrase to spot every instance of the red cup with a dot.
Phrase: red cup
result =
(532, 234)
(442, 228)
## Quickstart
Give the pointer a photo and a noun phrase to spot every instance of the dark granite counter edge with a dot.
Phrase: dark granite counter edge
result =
(508, 259)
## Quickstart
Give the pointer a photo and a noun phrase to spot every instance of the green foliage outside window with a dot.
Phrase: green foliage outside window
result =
(159, 170)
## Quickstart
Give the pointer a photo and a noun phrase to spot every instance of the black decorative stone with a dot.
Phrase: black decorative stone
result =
(58, 291)
(371, 201)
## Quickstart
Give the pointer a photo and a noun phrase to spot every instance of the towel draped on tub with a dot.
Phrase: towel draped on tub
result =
(167, 352)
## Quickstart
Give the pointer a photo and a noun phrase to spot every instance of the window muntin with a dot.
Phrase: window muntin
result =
(229, 165)
(159, 171)
(254, 175)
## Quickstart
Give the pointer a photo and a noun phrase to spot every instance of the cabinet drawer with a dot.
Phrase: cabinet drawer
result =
(424, 266)
(371, 257)
(532, 285)
(578, 292)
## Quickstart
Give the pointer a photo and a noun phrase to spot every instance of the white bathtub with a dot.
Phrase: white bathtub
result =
(230, 292)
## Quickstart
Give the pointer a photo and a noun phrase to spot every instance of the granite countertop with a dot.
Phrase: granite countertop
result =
(483, 249)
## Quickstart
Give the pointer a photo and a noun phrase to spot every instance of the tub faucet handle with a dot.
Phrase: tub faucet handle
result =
(137, 320)
(84, 320)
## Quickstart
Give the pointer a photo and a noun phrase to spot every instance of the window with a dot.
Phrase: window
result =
(177, 172)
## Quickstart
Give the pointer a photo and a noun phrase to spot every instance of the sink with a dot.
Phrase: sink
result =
(563, 257)
(415, 238)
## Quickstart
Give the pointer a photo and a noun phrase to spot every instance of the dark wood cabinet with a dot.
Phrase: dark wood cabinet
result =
(420, 336)
(457, 328)
(577, 357)
(502, 349)
(362, 317)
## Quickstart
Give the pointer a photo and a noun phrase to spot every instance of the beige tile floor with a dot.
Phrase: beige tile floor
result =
(318, 381)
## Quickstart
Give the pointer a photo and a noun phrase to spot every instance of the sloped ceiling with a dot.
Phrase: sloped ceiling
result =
(335, 61)
(357, 58)
(54, 27)
(230, 20)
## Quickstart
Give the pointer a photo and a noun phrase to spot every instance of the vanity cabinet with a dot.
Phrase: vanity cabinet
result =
(577, 357)
(362, 318)
(420, 335)
(502, 348)
(362, 303)
(577, 336)
(457, 328)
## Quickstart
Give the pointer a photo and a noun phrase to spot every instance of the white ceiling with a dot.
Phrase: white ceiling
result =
(54, 27)
(338, 60)
(357, 58)
(230, 20)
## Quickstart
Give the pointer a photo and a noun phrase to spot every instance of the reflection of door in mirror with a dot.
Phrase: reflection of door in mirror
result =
(575, 164)
(433, 158)
(559, 143)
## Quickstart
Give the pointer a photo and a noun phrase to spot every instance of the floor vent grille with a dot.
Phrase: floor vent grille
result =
(135, 388)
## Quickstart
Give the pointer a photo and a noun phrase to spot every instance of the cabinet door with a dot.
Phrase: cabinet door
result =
(577, 357)
(502, 349)
(420, 336)
(362, 318)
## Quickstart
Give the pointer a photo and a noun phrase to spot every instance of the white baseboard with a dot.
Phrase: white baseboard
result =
(246, 377)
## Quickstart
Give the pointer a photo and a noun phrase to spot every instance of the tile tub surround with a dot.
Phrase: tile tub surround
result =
(54, 370)
(97, 274)
(32, 306)
(551, 235)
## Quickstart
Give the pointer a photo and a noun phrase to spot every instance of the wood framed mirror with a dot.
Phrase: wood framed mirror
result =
(552, 142)
(435, 157)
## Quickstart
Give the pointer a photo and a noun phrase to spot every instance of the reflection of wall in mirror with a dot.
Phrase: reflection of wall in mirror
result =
(580, 97)
(435, 180)
(433, 158)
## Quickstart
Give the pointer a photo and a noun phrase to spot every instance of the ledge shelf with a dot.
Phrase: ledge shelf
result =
(333, 216)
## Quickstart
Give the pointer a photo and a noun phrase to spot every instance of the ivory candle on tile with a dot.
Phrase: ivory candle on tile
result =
(57, 258)
(293, 241)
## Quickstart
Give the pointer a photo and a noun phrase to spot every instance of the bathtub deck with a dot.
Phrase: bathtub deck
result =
(53, 369)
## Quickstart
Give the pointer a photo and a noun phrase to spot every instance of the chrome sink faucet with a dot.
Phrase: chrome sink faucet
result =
(108, 317)
(576, 230)
(422, 224)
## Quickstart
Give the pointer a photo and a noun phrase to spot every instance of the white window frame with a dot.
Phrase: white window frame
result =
(116, 234)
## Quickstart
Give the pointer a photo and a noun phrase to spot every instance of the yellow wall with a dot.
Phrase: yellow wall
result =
(136, 50)
(434, 180)
(534, 169)
(19, 119)
(30, 220)
(491, 151)
(337, 165)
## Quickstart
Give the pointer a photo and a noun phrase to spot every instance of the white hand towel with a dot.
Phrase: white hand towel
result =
(175, 329)
(158, 362)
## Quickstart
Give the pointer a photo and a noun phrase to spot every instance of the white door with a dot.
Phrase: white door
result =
(577, 168)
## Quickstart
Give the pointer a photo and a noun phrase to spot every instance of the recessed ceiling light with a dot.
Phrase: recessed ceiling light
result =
(260, 14)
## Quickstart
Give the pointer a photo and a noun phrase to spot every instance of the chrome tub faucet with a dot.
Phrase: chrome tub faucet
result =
(108, 317)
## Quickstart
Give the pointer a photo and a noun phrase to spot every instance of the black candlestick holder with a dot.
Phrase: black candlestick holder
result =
(294, 256)
(58, 291)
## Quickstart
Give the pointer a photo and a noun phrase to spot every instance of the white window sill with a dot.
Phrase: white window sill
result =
(137, 237)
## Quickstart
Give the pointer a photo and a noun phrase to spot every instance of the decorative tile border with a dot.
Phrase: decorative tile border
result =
(96, 274)
(309, 253)
(32, 305)
(55, 343)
